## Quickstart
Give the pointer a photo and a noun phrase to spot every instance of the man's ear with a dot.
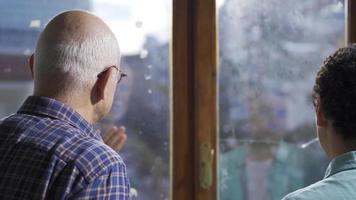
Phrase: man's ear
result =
(31, 64)
(101, 85)
(321, 120)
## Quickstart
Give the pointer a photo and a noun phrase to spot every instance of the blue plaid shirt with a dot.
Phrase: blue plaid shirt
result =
(48, 151)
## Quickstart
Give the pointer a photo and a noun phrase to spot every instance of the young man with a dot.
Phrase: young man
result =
(49, 149)
(335, 106)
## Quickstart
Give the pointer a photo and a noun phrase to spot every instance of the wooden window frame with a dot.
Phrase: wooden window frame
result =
(194, 104)
(194, 98)
(350, 20)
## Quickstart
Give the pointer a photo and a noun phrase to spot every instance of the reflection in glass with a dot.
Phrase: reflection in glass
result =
(269, 53)
(142, 102)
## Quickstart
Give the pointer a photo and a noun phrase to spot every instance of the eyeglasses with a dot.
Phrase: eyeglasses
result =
(121, 75)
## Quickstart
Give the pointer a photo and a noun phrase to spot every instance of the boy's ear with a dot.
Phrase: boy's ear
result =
(321, 120)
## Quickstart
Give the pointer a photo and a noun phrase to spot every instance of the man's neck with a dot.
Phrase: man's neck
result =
(81, 107)
(339, 145)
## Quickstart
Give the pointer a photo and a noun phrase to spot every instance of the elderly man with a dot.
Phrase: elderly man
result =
(335, 106)
(49, 148)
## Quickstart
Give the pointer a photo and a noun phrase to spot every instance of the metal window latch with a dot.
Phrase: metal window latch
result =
(206, 155)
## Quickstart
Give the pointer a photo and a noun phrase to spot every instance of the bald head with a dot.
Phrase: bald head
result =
(73, 48)
(74, 26)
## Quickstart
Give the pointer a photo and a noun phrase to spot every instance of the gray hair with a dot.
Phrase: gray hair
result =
(73, 64)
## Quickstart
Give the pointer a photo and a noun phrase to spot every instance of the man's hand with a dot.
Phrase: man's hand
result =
(115, 138)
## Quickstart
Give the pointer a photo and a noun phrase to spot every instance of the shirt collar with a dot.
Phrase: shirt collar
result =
(55, 109)
(346, 161)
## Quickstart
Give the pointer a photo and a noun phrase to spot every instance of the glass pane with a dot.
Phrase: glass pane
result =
(269, 53)
(142, 100)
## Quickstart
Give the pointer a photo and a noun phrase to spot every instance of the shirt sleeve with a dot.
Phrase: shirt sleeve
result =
(113, 185)
(294, 196)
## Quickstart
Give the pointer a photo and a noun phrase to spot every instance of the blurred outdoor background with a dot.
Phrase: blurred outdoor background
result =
(142, 99)
(269, 52)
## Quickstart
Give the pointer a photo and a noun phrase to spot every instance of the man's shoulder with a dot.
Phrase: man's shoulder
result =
(93, 158)
(312, 192)
(321, 190)
(88, 154)
(65, 142)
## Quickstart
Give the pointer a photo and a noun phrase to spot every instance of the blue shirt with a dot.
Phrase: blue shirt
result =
(48, 151)
(339, 182)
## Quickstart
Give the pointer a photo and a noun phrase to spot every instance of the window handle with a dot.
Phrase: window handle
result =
(206, 155)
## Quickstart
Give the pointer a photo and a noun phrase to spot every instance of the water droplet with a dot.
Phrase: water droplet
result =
(27, 52)
(36, 23)
(139, 24)
(148, 77)
(165, 146)
(7, 70)
(149, 91)
(133, 192)
(143, 53)
(152, 169)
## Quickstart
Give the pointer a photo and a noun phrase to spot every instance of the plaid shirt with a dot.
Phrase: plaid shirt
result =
(48, 151)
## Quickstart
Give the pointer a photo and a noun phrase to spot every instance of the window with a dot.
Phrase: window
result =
(269, 54)
(142, 100)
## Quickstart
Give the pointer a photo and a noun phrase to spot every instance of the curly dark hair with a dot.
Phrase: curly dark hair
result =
(335, 85)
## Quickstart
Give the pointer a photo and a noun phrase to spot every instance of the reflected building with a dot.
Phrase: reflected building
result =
(20, 25)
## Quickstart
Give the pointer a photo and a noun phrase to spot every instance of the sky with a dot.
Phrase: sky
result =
(132, 20)
(220, 2)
